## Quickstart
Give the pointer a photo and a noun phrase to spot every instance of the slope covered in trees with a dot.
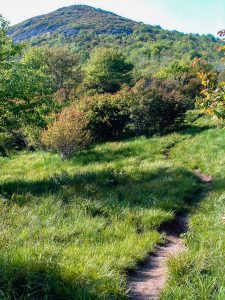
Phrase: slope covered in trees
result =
(86, 28)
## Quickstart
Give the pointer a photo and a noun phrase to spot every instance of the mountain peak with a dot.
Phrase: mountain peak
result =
(70, 21)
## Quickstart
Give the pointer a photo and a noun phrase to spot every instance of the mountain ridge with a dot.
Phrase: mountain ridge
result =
(70, 20)
(85, 28)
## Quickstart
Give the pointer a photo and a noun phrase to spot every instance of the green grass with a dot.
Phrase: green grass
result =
(72, 229)
(200, 273)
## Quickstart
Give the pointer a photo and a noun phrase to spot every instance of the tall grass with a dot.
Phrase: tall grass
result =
(72, 229)
(200, 273)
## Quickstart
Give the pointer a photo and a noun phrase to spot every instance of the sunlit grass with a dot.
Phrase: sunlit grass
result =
(71, 229)
(200, 273)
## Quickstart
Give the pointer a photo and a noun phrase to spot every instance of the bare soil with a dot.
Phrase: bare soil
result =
(149, 280)
(203, 177)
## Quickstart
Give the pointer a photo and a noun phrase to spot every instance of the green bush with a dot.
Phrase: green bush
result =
(185, 76)
(158, 107)
(13, 139)
(4, 142)
(68, 134)
(109, 115)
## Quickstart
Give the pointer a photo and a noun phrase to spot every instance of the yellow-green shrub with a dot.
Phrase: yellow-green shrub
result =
(68, 134)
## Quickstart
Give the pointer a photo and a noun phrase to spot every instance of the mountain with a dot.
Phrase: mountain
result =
(70, 21)
(85, 28)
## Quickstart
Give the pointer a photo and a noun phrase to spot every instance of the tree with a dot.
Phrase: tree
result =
(60, 64)
(8, 52)
(158, 107)
(25, 93)
(107, 70)
(64, 67)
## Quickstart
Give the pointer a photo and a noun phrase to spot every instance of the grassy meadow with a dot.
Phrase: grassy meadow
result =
(72, 229)
(199, 273)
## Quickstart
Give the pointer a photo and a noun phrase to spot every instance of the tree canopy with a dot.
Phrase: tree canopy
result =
(107, 70)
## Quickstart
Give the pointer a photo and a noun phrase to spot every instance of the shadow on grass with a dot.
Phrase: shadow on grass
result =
(177, 189)
(38, 281)
(108, 155)
(194, 130)
(101, 156)
(163, 187)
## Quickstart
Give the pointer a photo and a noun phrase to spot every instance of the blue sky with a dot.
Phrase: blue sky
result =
(201, 16)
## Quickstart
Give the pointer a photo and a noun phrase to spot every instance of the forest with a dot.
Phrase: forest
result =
(110, 131)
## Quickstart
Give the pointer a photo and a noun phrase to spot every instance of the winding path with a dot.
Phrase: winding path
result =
(149, 280)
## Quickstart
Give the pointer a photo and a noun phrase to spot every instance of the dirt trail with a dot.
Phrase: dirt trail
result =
(149, 280)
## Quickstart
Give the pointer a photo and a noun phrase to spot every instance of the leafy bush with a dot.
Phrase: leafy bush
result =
(212, 100)
(4, 143)
(68, 134)
(158, 107)
(108, 114)
(184, 75)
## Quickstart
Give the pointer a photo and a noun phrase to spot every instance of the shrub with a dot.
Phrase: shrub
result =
(68, 134)
(108, 114)
(12, 139)
(184, 76)
(158, 107)
(212, 101)
(4, 141)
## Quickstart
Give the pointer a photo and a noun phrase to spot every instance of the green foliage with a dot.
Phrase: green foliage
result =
(159, 107)
(61, 65)
(109, 115)
(28, 81)
(22, 82)
(8, 49)
(212, 101)
(64, 68)
(8, 53)
(107, 70)
(185, 76)
(25, 97)
(68, 134)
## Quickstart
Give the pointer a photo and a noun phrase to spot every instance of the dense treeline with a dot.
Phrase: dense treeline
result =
(86, 28)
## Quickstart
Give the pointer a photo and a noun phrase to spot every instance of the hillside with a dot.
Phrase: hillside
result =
(86, 28)
(70, 21)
